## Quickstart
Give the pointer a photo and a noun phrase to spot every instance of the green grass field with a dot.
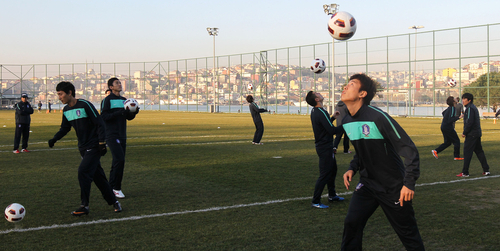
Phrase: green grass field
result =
(184, 179)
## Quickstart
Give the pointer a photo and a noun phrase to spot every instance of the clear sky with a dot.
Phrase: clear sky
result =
(70, 31)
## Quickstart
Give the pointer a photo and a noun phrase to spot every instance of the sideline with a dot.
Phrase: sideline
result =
(212, 209)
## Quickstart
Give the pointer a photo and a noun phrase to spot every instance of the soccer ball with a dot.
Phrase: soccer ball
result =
(452, 82)
(250, 87)
(318, 66)
(342, 25)
(15, 212)
(131, 104)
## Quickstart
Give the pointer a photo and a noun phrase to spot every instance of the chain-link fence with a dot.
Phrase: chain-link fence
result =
(413, 71)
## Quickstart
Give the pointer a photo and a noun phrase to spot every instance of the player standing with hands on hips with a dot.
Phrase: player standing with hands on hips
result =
(115, 118)
(23, 121)
(84, 118)
(385, 180)
(257, 120)
(323, 138)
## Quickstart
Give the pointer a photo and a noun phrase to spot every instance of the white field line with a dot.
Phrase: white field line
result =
(211, 209)
(175, 144)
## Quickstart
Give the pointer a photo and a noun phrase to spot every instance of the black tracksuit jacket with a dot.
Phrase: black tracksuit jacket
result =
(115, 120)
(379, 142)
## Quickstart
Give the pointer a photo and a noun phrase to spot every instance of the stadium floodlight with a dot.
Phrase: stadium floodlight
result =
(330, 9)
(214, 32)
(415, 27)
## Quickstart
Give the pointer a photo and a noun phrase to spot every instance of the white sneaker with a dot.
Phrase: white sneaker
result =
(118, 194)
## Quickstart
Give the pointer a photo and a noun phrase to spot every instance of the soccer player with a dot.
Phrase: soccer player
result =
(323, 138)
(39, 106)
(385, 180)
(115, 118)
(257, 120)
(23, 121)
(84, 118)
(472, 134)
(448, 130)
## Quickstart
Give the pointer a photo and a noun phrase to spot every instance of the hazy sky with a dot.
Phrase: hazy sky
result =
(68, 31)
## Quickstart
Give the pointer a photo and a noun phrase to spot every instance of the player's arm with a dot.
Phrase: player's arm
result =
(469, 120)
(353, 168)
(404, 147)
(326, 122)
(65, 128)
(28, 108)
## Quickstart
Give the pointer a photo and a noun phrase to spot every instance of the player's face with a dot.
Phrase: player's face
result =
(117, 86)
(465, 101)
(64, 97)
(24, 100)
(351, 91)
(319, 97)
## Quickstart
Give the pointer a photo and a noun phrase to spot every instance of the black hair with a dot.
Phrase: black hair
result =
(249, 98)
(111, 80)
(66, 87)
(367, 84)
(311, 98)
(468, 96)
(450, 101)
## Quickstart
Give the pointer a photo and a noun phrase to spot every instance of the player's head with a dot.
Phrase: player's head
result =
(312, 98)
(467, 98)
(65, 92)
(115, 85)
(249, 98)
(111, 81)
(360, 87)
(458, 99)
(450, 101)
(66, 87)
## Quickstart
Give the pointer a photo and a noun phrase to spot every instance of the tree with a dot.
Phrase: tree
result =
(479, 89)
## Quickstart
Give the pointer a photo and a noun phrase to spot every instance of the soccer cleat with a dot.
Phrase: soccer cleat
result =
(80, 211)
(458, 159)
(117, 206)
(435, 154)
(16, 151)
(486, 173)
(347, 152)
(25, 151)
(118, 194)
(462, 175)
(319, 205)
(335, 198)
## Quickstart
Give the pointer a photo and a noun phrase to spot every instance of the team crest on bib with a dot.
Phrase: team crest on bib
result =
(366, 130)
(78, 113)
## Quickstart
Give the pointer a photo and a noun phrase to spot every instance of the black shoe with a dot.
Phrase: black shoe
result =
(117, 206)
(80, 211)
(335, 198)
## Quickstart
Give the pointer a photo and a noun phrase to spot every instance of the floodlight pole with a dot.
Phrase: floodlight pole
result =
(331, 10)
(214, 32)
(414, 65)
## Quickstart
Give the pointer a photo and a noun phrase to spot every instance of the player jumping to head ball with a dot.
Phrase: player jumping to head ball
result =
(385, 180)
(84, 118)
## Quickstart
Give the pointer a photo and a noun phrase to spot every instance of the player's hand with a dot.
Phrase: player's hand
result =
(406, 194)
(461, 115)
(102, 149)
(463, 135)
(347, 178)
(137, 110)
(52, 142)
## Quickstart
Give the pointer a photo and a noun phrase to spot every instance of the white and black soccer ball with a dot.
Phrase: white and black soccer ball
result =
(131, 104)
(250, 87)
(342, 25)
(452, 82)
(15, 212)
(318, 66)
